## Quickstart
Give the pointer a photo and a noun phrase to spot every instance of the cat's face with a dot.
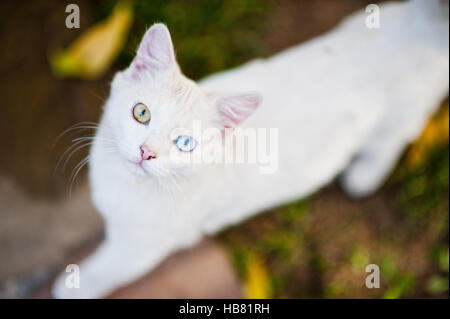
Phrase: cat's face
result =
(153, 113)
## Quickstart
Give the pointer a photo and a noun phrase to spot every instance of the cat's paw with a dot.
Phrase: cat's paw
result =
(364, 176)
(61, 290)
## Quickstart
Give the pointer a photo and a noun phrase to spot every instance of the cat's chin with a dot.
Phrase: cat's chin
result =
(136, 169)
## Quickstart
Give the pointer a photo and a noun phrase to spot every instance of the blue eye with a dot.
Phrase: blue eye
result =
(185, 143)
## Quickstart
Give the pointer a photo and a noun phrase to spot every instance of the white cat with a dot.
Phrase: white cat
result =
(352, 92)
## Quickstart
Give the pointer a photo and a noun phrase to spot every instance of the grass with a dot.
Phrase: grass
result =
(202, 31)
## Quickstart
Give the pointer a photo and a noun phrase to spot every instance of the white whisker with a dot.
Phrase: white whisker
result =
(73, 152)
(78, 126)
(77, 170)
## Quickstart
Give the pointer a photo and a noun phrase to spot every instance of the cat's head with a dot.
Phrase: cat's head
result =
(153, 109)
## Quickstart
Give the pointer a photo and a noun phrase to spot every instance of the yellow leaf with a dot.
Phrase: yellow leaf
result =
(90, 55)
(257, 283)
(436, 132)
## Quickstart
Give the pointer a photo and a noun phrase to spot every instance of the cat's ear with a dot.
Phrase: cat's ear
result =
(233, 109)
(155, 53)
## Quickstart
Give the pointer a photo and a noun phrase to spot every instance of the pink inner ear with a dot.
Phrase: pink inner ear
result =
(138, 66)
(155, 51)
(157, 44)
(235, 109)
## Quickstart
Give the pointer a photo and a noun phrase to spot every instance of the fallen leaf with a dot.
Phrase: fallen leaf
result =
(90, 55)
(257, 281)
(436, 132)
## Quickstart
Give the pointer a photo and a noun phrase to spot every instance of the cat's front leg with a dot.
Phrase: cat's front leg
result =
(114, 264)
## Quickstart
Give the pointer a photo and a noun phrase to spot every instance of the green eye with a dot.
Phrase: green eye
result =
(141, 113)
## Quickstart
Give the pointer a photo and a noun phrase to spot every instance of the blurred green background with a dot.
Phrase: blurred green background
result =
(317, 247)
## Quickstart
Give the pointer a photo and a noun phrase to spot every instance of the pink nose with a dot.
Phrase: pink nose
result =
(146, 153)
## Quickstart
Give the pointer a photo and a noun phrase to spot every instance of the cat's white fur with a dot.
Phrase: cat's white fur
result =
(352, 93)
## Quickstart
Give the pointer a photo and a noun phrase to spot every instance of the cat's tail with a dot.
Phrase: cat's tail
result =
(416, 93)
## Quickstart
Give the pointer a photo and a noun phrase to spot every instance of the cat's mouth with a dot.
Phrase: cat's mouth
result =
(147, 168)
(140, 163)
(137, 168)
